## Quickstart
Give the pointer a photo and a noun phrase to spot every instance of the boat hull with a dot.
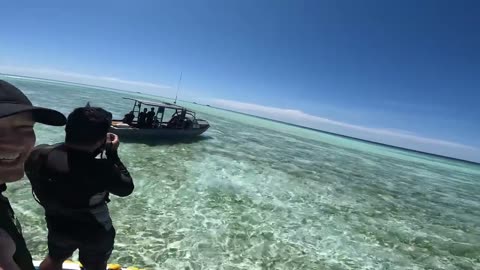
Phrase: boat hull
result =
(157, 133)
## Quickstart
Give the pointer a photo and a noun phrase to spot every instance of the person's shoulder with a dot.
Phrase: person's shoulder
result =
(41, 149)
(44, 147)
(37, 150)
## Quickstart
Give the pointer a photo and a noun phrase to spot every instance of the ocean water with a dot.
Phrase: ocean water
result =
(256, 194)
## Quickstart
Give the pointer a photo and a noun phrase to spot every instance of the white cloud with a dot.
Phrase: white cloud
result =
(390, 136)
(383, 135)
(103, 81)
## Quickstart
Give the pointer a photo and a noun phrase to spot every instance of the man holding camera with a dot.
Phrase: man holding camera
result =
(72, 182)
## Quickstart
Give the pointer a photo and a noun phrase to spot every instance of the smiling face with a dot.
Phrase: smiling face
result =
(17, 139)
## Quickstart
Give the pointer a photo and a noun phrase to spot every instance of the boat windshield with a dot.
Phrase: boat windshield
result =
(149, 115)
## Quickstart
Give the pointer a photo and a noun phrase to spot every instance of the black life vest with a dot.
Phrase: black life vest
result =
(10, 224)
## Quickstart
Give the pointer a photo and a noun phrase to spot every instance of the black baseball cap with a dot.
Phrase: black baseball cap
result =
(13, 101)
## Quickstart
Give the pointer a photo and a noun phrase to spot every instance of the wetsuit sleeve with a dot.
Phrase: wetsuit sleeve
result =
(118, 179)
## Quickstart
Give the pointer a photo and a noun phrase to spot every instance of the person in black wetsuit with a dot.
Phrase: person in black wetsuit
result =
(72, 182)
(128, 118)
(150, 116)
(17, 138)
(142, 118)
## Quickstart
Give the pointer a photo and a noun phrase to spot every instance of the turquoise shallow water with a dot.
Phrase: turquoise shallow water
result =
(255, 194)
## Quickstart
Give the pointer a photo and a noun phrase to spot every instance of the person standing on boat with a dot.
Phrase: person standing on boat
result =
(150, 116)
(72, 182)
(17, 138)
(142, 118)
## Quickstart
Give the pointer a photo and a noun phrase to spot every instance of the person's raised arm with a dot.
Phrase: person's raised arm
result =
(118, 182)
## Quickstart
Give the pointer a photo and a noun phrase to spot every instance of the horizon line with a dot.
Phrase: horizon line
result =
(252, 115)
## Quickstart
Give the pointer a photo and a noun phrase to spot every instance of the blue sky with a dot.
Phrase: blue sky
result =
(399, 72)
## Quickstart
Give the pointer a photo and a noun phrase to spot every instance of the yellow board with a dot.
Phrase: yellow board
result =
(72, 265)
